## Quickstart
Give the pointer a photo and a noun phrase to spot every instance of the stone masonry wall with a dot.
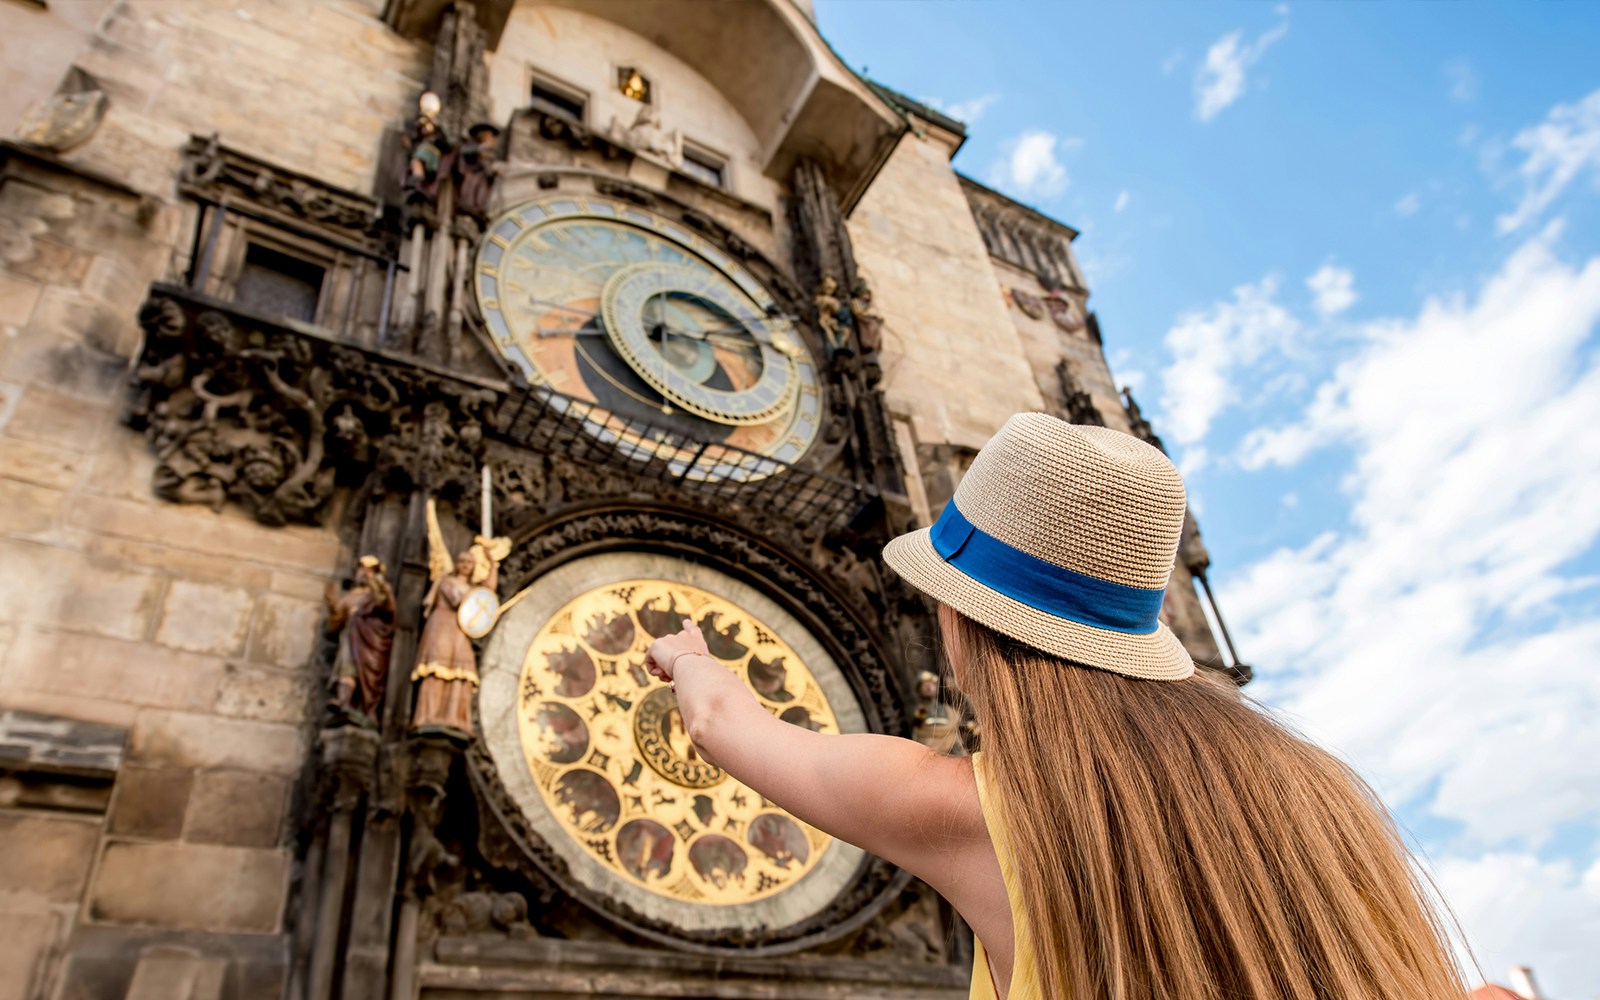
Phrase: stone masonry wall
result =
(193, 630)
(308, 84)
(1044, 344)
(952, 360)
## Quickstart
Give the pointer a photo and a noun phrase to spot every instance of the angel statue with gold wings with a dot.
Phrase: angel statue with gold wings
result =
(447, 667)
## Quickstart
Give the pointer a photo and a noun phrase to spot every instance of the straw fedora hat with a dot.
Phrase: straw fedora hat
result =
(1062, 537)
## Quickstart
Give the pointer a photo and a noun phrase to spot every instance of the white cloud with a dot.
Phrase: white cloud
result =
(1122, 201)
(1220, 80)
(968, 111)
(1170, 64)
(1030, 167)
(1516, 907)
(1444, 635)
(1333, 289)
(1209, 347)
(1557, 150)
(1408, 205)
(1463, 81)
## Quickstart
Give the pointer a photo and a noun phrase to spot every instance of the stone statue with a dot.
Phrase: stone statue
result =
(869, 325)
(826, 299)
(447, 666)
(646, 135)
(364, 617)
(428, 144)
(477, 168)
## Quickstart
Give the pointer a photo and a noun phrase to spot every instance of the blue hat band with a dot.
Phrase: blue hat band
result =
(1040, 584)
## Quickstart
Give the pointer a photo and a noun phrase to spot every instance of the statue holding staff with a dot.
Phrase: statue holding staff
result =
(364, 618)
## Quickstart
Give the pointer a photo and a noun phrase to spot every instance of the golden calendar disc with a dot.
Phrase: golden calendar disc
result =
(593, 749)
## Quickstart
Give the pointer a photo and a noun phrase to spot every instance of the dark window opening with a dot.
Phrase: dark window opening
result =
(555, 101)
(705, 167)
(274, 283)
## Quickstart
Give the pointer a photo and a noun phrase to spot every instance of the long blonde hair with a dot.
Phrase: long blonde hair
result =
(1173, 843)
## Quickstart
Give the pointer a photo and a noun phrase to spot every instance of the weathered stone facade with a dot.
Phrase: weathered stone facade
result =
(238, 352)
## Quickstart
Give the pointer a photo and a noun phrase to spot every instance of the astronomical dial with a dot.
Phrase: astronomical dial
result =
(593, 749)
(615, 306)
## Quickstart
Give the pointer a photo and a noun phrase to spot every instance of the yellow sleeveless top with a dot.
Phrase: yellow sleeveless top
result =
(1024, 976)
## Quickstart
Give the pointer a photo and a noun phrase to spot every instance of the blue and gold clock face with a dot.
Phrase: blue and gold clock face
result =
(614, 305)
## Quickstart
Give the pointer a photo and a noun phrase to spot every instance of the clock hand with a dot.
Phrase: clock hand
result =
(561, 306)
(581, 331)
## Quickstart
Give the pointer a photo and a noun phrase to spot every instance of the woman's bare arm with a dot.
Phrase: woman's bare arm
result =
(891, 796)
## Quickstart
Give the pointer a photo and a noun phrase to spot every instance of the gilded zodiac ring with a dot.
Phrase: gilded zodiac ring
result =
(478, 612)
(606, 747)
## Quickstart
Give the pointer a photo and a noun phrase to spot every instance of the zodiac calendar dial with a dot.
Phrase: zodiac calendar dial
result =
(613, 305)
(607, 749)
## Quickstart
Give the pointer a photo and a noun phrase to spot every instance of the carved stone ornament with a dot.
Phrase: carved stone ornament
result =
(1031, 305)
(67, 119)
(274, 419)
(1077, 406)
(217, 173)
(1067, 314)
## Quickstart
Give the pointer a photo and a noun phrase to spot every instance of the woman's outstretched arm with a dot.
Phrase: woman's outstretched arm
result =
(893, 797)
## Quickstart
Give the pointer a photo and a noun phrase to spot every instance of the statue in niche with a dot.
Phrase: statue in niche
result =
(826, 299)
(477, 169)
(364, 618)
(647, 135)
(869, 325)
(428, 146)
(447, 666)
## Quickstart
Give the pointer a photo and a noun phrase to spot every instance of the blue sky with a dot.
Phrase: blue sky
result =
(1348, 256)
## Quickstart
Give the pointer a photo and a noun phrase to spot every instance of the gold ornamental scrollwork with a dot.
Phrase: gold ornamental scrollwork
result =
(609, 754)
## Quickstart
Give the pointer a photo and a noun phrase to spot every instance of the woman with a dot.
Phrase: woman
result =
(1130, 830)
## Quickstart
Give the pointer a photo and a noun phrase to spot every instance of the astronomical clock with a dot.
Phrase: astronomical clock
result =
(607, 303)
(664, 348)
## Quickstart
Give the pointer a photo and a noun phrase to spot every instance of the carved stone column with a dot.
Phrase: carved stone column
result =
(822, 248)
(348, 757)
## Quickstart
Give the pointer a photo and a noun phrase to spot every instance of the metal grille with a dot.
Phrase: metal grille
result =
(545, 420)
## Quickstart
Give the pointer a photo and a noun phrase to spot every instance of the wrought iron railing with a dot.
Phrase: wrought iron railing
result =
(545, 420)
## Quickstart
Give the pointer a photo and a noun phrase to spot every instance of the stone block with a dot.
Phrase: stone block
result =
(75, 317)
(124, 466)
(229, 533)
(151, 801)
(47, 262)
(50, 587)
(264, 694)
(286, 631)
(305, 586)
(138, 673)
(205, 618)
(25, 944)
(186, 739)
(115, 283)
(28, 510)
(180, 562)
(198, 886)
(17, 299)
(177, 973)
(241, 808)
(73, 706)
(45, 856)
(55, 418)
(40, 464)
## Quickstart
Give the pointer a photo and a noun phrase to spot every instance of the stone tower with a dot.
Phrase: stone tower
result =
(378, 378)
